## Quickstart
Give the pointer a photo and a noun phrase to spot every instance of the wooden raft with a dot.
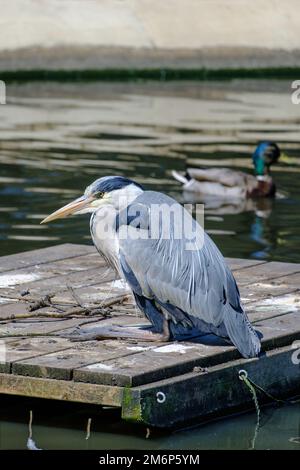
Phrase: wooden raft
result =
(160, 385)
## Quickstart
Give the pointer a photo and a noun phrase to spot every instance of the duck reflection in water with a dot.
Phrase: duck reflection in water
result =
(260, 230)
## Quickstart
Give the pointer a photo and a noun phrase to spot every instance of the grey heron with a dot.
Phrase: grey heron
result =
(178, 286)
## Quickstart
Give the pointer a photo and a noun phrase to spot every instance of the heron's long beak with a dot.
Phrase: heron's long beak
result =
(79, 204)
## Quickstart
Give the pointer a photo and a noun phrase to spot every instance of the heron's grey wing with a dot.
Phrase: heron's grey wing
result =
(179, 272)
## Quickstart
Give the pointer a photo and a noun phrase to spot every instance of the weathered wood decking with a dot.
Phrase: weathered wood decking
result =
(158, 384)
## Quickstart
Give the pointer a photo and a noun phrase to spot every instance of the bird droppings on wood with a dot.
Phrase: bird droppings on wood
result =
(100, 366)
(11, 280)
(282, 302)
(136, 348)
(120, 284)
(6, 300)
(176, 348)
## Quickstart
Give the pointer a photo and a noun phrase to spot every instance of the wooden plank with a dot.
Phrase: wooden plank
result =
(60, 365)
(239, 263)
(37, 326)
(12, 308)
(273, 307)
(96, 293)
(43, 255)
(93, 325)
(40, 286)
(77, 263)
(265, 271)
(12, 282)
(64, 266)
(60, 390)
(151, 365)
(279, 331)
(177, 358)
(218, 390)
(147, 367)
(272, 288)
(25, 348)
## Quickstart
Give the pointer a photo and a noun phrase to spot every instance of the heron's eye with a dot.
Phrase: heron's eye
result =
(99, 195)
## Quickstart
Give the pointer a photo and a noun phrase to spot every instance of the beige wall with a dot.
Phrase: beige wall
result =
(187, 24)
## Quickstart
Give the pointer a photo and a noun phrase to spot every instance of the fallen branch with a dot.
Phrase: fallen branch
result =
(76, 297)
(67, 313)
(50, 333)
(43, 302)
(98, 310)
(22, 316)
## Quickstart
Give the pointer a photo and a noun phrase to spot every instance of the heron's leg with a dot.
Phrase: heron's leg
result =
(162, 337)
(166, 330)
(122, 332)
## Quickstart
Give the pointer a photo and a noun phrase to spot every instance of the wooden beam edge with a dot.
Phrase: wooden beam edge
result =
(60, 390)
(214, 392)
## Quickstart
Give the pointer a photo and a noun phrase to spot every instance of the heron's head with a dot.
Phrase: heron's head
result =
(265, 154)
(109, 190)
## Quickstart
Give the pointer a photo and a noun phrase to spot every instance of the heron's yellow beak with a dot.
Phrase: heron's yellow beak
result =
(73, 207)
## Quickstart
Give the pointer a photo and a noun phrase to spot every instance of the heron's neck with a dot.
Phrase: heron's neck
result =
(103, 232)
(103, 224)
(124, 197)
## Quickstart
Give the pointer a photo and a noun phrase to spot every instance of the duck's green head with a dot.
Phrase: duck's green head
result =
(266, 153)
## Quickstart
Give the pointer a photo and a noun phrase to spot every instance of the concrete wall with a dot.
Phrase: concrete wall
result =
(86, 33)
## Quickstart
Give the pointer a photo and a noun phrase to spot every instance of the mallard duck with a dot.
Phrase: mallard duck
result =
(228, 183)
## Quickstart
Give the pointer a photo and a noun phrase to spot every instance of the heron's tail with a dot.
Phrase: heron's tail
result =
(241, 332)
(179, 177)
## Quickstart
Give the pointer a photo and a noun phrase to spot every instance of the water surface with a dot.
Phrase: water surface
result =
(55, 139)
(64, 426)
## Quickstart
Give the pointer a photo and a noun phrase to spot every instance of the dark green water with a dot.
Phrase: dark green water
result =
(57, 138)
(64, 426)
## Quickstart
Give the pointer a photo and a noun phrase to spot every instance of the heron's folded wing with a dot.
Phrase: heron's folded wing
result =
(190, 276)
(188, 272)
